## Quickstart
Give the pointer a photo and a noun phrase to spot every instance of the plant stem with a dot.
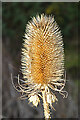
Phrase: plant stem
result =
(46, 106)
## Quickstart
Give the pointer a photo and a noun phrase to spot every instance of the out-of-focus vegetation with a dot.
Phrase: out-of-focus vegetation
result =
(16, 15)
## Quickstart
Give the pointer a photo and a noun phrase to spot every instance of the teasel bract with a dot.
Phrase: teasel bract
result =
(42, 62)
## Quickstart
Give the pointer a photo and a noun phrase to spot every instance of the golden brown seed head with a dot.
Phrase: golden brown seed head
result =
(43, 53)
(42, 62)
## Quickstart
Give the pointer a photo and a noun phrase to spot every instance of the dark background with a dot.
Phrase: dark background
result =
(15, 16)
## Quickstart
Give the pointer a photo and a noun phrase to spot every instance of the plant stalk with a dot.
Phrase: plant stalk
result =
(46, 106)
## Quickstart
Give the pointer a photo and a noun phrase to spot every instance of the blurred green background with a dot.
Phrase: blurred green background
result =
(15, 16)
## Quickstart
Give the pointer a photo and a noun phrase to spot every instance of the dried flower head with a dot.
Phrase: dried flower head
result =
(42, 62)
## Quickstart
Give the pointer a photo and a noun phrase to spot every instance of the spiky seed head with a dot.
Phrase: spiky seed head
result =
(42, 61)
(43, 53)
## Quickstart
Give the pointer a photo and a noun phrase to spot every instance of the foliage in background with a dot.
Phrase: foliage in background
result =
(16, 15)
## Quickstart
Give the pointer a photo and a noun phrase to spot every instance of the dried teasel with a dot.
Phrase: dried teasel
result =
(42, 62)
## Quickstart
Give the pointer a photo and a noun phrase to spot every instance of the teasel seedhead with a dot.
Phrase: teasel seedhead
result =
(42, 62)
